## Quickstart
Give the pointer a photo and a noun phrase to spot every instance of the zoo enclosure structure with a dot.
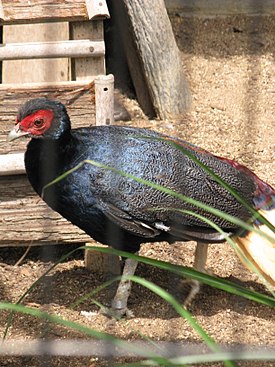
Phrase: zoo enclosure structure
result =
(78, 58)
(16, 191)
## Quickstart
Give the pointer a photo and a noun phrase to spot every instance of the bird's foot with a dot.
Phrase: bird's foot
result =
(117, 313)
(195, 288)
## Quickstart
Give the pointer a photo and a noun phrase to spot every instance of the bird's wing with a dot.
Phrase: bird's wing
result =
(125, 221)
(150, 230)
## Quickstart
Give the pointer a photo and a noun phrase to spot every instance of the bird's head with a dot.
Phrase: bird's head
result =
(41, 118)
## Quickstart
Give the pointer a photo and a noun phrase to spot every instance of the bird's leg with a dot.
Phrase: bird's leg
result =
(200, 257)
(119, 302)
(199, 265)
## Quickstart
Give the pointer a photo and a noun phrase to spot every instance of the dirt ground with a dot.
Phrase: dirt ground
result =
(230, 66)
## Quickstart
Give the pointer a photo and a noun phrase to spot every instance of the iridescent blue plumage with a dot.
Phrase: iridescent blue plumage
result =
(122, 212)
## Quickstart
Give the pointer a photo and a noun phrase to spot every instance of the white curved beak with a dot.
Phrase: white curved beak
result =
(16, 133)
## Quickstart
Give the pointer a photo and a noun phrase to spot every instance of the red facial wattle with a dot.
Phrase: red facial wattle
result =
(37, 123)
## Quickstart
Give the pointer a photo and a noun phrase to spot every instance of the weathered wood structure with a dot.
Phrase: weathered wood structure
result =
(56, 49)
(158, 56)
(24, 218)
(143, 33)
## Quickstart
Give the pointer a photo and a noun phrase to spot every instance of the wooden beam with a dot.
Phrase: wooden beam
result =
(160, 57)
(97, 9)
(38, 11)
(12, 164)
(70, 86)
(123, 51)
(41, 50)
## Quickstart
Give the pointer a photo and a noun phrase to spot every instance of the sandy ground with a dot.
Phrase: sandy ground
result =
(230, 67)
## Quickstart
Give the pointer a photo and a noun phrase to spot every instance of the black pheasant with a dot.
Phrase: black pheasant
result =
(123, 213)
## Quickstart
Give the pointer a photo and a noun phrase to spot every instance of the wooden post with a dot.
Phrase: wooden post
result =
(104, 97)
(96, 8)
(160, 58)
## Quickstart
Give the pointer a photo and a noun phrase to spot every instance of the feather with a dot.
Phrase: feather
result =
(259, 250)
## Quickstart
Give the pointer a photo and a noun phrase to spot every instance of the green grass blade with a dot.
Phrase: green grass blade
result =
(193, 274)
(210, 342)
(211, 357)
(34, 284)
(83, 329)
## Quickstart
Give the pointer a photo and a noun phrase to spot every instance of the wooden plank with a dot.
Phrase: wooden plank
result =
(160, 57)
(12, 164)
(36, 70)
(41, 50)
(77, 96)
(26, 220)
(99, 262)
(83, 68)
(22, 11)
(221, 7)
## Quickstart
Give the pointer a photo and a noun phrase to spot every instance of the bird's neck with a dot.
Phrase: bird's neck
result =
(45, 159)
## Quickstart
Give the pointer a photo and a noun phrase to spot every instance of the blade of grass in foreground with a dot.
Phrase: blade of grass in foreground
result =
(193, 274)
(151, 286)
(139, 351)
(208, 358)
(187, 272)
(210, 342)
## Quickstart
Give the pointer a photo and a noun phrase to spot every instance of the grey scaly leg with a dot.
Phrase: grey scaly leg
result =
(199, 265)
(119, 302)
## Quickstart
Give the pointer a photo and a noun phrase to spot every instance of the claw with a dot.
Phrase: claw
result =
(119, 307)
(117, 313)
(195, 288)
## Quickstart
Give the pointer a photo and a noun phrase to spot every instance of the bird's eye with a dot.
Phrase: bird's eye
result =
(38, 122)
